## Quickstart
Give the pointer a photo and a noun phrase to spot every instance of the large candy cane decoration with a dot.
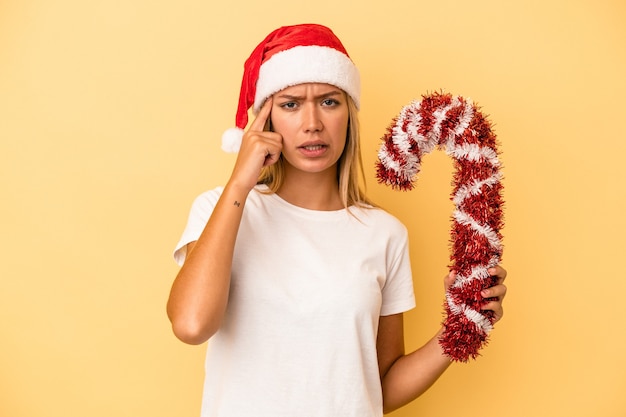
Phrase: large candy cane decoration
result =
(456, 124)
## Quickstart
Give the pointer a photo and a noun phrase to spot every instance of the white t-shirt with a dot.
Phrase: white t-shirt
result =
(307, 290)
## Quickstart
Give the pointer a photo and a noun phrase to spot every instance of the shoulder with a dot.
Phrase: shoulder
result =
(378, 214)
(205, 202)
(209, 196)
(379, 218)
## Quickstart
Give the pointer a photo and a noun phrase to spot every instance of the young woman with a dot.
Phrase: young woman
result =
(297, 280)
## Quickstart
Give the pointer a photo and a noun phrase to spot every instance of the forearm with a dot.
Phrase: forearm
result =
(199, 293)
(411, 375)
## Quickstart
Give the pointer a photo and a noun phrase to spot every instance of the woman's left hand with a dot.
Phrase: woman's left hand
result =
(495, 293)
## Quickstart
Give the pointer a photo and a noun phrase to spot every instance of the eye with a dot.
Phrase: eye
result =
(330, 102)
(290, 105)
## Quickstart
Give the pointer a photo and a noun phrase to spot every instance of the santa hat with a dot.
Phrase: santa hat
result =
(289, 56)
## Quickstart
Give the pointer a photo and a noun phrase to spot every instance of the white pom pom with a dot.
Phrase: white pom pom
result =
(231, 139)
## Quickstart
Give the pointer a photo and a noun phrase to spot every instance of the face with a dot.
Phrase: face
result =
(313, 121)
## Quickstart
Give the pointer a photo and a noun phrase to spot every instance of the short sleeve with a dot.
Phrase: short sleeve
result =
(199, 214)
(397, 294)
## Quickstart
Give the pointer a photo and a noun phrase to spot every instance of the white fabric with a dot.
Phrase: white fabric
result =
(307, 290)
(307, 64)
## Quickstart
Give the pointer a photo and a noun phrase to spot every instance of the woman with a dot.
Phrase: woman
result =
(299, 282)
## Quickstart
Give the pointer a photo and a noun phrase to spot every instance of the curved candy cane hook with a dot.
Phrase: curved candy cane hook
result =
(455, 124)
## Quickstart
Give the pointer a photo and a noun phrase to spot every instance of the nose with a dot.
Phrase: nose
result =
(312, 121)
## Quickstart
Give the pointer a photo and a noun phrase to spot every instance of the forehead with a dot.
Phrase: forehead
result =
(315, 89)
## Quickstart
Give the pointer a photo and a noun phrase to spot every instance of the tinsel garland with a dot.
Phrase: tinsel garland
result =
(455, 124)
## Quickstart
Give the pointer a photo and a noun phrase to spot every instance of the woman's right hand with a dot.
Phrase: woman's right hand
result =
(259, 148)
(199, 294)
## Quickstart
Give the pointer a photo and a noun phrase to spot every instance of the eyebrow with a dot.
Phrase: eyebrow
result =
(325, 95)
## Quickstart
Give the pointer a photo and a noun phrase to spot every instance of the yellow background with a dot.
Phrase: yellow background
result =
(110, 118)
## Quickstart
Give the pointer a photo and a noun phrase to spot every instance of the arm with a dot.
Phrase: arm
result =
(199, 294)
(406, 377)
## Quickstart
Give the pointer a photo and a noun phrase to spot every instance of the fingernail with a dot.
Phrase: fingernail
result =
(484, 293)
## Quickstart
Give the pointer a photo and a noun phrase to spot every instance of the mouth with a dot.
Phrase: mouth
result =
(313, 147)
(313, 150)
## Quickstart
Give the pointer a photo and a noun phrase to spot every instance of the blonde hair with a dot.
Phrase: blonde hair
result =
(349, 166)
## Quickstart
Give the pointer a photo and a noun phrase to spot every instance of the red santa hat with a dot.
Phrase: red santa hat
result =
(288, 56)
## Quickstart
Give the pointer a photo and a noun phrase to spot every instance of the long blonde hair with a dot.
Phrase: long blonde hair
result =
(349, 166)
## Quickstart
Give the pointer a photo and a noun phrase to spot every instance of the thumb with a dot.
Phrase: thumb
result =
(449, 279)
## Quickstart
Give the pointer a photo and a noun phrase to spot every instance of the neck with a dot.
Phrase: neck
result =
(318, 191)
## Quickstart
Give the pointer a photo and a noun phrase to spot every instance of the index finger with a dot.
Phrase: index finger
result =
(259, 122)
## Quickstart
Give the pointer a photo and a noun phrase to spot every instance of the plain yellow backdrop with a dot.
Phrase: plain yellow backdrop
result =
(110, 118)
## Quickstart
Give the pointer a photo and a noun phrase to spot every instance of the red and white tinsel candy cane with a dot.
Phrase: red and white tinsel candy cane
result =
(456, 124)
